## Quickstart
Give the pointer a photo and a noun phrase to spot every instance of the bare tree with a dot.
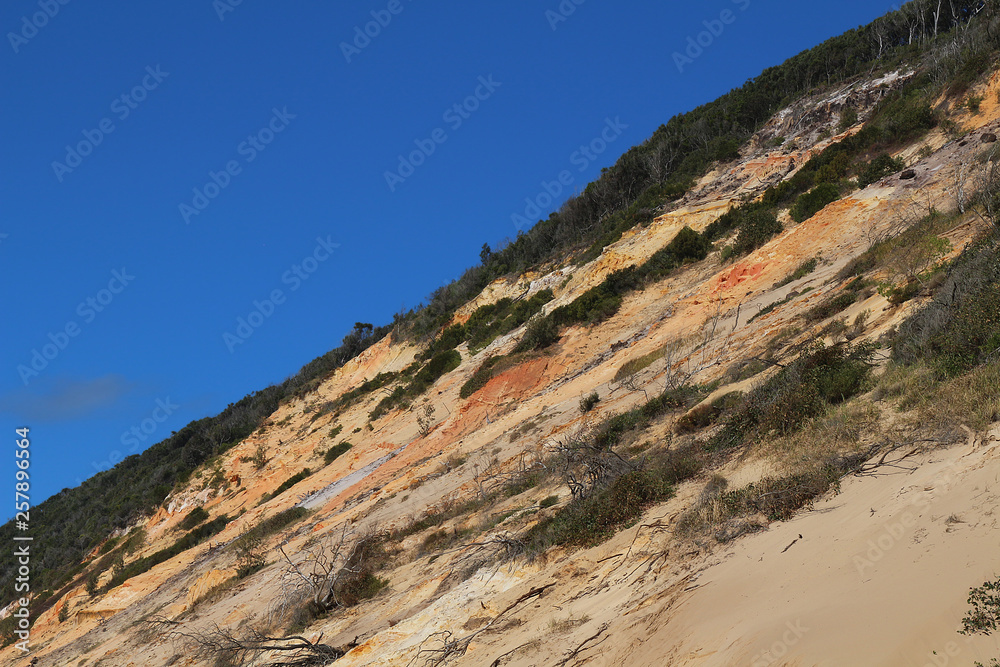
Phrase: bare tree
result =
(227, 646)
(425, 419)
(324, 573)
(585, 466)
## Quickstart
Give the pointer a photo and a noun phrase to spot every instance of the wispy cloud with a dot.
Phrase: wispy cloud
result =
(65, 398)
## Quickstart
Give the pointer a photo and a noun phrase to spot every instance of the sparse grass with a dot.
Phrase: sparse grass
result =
(910, 384)
(972, 400)
(287, 484)
(802, 271)
(564, 625)
(216, 592)
(633, 366)
(838, 432)
(830, 307)
(727, 514)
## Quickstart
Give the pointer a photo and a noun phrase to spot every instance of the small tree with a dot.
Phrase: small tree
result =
(249, 548)
(426, 420)
(259, 458)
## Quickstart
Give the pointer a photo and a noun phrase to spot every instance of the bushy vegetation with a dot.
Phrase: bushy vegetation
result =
(810, 203)
(287, 484)
(601, 302)
(984, 615)
(336, 452)
(440, 363)
(878, 168)
(662, 168)
(592, 520)
(818, 378)
(960, 328)
(588, 402)
(493, 320)
(74, 521)
(193, 518)
(190, 539)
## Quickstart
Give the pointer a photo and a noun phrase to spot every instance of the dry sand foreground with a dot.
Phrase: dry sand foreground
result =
(879, 576)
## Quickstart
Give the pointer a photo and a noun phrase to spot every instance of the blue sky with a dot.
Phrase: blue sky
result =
(166, 165)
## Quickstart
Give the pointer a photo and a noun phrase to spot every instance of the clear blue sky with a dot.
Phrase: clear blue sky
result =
(134, 295)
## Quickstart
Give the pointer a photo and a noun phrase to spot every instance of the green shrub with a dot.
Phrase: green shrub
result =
(595, 305)
(493, 320)
(803, 270)
(440, 363)
(193, 538)
(193, 518)
(831, 307)
(611, 431)
(588, 402)
(879, 168)
(540, 334)
(287, 484)
(335, 431)
(958, 330)
(109, 545)
(335, 452)
(984, 616)
(592, 520)
(848, 119)
(818, 378)
(480, 377)
(810, 203)
(705, 415)
(758, 228)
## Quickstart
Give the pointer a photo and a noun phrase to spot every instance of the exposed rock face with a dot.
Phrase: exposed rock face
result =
(646, 596)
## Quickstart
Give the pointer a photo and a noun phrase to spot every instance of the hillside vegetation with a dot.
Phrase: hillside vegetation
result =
(726, 328)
